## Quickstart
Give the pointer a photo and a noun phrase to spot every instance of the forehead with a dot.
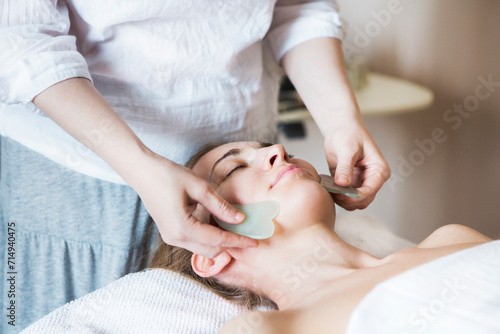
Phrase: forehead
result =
(203, 166)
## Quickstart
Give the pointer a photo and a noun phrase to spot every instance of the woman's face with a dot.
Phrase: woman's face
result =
(251, 172)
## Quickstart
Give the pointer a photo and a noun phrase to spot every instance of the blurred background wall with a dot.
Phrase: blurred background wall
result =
(452, 47)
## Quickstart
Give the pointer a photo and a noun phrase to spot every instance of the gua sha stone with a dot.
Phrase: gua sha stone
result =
(258, 223)
(328, 183)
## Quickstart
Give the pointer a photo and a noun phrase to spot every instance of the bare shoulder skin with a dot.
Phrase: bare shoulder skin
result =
(452, 234)
(329, 310)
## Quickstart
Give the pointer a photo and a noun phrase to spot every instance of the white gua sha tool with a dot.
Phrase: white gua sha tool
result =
(328, 183)
(258, 223)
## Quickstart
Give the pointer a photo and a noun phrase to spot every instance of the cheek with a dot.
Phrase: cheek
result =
(242, 189)
(308, 167)
(201, 214)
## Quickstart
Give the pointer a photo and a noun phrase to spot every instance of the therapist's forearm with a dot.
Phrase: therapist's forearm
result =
(317, 70)
(77, 107)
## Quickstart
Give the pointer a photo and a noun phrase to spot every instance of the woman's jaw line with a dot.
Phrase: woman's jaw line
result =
(288, 268)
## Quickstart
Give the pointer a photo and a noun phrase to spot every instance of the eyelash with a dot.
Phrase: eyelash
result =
(234, 169)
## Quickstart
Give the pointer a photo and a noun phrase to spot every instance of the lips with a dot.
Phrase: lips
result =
(283, 171)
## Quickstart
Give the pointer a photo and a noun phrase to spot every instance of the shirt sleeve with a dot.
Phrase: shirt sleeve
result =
(297, 21)
(37, 51)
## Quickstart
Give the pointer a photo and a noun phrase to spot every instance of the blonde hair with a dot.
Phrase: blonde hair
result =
(178, 259)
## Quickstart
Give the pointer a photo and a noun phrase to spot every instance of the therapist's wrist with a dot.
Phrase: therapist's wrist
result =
(135, 164)
(330, 119)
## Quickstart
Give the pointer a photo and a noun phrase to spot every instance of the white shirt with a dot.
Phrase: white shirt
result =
(181, 73)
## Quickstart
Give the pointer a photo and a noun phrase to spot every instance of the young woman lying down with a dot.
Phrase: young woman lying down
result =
(315, 279)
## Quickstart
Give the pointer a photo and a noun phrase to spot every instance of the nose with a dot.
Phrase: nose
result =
(274, 154)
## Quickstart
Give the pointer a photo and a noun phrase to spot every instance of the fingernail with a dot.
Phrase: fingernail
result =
(342, 179)
(239, 217)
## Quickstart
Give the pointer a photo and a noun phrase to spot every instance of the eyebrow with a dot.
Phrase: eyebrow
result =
(232, 153)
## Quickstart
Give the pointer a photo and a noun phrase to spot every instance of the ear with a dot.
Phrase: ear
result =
(206, 267)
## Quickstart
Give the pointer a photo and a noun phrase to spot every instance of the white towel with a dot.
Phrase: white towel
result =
(151, 301)
(458, 293)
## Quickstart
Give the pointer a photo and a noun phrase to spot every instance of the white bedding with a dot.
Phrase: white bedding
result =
(458, 293)
(151, 301)
(159, 301)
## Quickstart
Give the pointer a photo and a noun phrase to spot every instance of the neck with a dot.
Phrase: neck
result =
(292, 269)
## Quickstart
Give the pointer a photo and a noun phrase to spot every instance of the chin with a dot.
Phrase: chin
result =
(307, 203)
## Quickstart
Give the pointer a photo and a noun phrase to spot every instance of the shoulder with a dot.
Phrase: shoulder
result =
(251, 322)
(453, 234)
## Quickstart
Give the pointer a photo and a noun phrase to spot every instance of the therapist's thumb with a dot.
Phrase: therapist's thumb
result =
(344, 169)
(219, 207)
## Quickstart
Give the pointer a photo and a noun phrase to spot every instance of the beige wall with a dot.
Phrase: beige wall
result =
(445, 45)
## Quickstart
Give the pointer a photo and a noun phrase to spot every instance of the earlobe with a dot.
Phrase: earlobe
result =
(206, 267)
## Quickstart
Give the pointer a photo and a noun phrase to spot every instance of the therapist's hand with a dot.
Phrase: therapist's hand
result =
(171, 193)
(354, 159)
(317, 70)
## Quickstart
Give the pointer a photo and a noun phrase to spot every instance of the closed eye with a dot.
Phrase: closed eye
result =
(234, 170)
